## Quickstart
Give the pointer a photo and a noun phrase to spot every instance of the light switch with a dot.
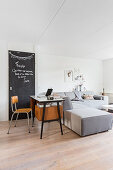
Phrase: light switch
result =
(11, 88)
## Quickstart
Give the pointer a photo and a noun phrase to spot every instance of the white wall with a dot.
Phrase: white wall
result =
(3, 81)
(51, 73)
(108, 75)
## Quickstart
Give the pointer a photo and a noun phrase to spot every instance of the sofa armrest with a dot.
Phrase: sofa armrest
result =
(67, 104)
(106, 99)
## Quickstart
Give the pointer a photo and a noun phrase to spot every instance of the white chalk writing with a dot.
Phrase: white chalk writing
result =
(23, 74)
(19, 65)
(21, 58)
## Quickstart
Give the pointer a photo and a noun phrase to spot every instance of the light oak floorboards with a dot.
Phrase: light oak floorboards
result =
(20, 150)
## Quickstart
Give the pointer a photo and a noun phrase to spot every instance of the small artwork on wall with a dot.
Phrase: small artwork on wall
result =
(79, 79)
(68, 75)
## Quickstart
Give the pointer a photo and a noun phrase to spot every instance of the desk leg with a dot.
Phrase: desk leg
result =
(59, 117)
(63, 117)
(32, 105)
(43, 120)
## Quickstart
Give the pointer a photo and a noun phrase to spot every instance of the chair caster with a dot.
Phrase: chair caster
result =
(29, 132)
(7, 132)
(15, 126)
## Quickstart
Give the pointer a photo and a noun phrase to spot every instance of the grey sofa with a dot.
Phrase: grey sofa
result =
(95, 103)
(84, 116)
(86, 121)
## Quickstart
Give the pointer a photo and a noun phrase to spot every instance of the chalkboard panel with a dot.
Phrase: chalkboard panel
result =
(21, 78)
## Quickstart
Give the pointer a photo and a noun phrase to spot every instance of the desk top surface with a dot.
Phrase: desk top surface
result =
(44, 99)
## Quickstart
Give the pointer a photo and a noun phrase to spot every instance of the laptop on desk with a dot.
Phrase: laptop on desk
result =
(48, 93)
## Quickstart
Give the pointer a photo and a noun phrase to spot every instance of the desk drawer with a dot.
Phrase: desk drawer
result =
(51, 113)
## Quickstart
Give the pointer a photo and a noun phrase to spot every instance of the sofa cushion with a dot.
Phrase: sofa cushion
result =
(71, 95)
(61, 94)
(88, 97)
(89, 121)
(78, 95)
(78, 104)
(98, 97)
(94, 103)
(87, 93)
(88, 112)
(67, 105)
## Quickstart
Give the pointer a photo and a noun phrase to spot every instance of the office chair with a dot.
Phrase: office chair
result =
(14, 101)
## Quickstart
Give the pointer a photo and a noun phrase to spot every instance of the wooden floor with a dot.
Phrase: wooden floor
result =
(20, 150)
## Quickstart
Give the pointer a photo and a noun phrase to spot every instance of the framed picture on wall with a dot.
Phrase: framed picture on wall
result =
(68, 75)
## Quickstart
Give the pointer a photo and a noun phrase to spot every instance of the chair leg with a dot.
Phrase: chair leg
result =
(32, 118)
(28, 122)
(10, 123)
(16, 119)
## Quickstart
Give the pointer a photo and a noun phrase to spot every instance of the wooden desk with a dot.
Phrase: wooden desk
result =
(34, 100)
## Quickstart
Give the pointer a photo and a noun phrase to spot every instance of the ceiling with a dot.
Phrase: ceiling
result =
(82, 28)
(76, 28)
(24, 20)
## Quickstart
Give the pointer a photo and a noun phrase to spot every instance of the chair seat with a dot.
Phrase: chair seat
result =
(25, 110)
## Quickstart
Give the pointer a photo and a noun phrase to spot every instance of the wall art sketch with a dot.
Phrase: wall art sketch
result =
(79, 79)
(68, 75)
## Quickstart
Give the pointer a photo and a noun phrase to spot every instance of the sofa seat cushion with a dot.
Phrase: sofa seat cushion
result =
(78, 104)
(88, 112)
(87, 121)
(89, 103)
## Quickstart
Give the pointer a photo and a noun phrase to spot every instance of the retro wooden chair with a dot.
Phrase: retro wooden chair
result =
(14, 101)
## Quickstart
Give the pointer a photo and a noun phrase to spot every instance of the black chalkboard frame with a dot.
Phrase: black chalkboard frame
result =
(24, 97)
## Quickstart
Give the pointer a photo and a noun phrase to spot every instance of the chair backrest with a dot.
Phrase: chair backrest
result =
(14, 100)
